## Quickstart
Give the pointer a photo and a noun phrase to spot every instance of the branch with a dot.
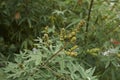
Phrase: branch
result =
(88, 19)
(55, 54)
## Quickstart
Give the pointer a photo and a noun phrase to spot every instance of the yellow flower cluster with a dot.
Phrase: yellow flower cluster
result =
(46, 29)
(73, 54)
(72, 34)
(118, 55)
(80, 24)
(73, 48)
(71, 51)
(62, 34)
(46, 37)
(93, 51)
(71, 38)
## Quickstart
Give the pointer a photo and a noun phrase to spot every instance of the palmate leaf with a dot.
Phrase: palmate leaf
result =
(87, 74)
(36, 57)
(15, 75)
(11, 67)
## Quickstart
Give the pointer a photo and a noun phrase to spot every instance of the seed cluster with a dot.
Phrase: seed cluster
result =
(70, 37)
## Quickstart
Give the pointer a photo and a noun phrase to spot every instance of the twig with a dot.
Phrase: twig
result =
(55, 54)
(88, 19)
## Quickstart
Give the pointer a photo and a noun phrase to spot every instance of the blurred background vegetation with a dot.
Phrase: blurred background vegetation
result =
(22, 21)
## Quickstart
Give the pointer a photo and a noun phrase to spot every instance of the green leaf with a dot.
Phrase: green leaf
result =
(2, 75)
(107, 64)
(30, 78)
(29, 22)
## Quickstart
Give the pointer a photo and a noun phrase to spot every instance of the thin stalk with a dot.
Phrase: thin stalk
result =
(88, 19)
(55, 54)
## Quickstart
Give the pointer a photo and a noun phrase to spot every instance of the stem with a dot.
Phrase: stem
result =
(55, 54)
(88, 19)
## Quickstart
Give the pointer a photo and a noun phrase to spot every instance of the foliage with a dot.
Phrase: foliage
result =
(78, 39)
(31, 65)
